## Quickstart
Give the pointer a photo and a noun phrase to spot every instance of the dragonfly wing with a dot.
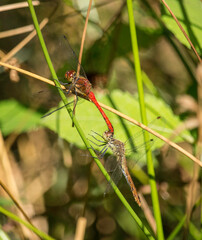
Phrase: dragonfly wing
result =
(115, 174)
(138, 137)
(71, 104)
(138, 154)
(74, 60)
(110, 164)
(136, 147)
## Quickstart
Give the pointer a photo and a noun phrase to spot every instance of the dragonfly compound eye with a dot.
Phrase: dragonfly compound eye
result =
(70, 75)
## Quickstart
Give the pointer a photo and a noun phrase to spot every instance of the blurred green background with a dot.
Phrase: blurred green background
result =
(47, 166)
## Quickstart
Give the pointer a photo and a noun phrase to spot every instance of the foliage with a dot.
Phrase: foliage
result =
(189, 15)
(52, 174)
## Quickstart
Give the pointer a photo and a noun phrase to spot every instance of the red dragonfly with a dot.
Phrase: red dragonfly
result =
(81, 86)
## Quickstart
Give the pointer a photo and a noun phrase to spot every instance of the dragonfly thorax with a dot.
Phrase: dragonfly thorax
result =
(115, 145)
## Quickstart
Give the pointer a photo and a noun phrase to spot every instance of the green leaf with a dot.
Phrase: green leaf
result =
(3, 235)
(90, 119)
(116, 45)
(15, 117)
(189, 15)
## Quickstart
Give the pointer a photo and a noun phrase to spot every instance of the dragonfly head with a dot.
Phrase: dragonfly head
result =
(70, 75)
(107, 135)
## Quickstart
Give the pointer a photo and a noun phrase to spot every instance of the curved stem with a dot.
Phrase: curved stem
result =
(80, 131)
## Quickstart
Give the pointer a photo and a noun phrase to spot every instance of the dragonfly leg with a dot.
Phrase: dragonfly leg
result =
(104, 142)
(74, 109)
(64, 83)
(98, 145)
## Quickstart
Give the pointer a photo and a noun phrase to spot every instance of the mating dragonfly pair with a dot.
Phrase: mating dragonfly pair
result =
(80, 86)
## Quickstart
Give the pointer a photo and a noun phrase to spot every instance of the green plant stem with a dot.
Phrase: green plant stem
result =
(150, 167)
(26, 224)
(80, 131)
(177, 229)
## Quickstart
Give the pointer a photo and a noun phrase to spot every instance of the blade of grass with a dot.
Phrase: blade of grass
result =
(194, 232)
(169, 142)
(150, 167)
(80, 131)
(26, 224)
(177, 229)
(18, 205)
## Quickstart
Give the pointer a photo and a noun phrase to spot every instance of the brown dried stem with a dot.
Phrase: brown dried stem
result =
(17, 31)
(18, 47)
(181, 28)
(172, 144)
(17, 5)
(83, 37)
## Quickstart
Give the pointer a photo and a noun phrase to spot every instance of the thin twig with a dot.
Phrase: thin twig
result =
(15, 201)
(83, 37)
(17, 31)
(81, 52)
(147, 212)
(5, 165)
(183, 31)
(17, 5)
(172, 144)
(29, 74)
(18, 47)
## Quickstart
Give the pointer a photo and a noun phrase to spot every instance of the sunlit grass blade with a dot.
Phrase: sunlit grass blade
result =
(26, 224)
(80, 131)
(150, 167)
